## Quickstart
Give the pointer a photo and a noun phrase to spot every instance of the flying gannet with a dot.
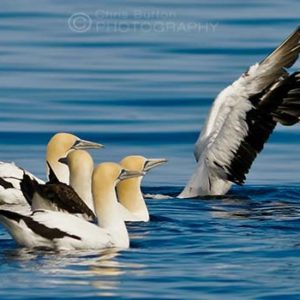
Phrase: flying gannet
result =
(62, 231)
(58, 146)
(242, 118)
(133, 206)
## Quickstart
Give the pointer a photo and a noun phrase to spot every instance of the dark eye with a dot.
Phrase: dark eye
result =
(122, 173)
(145, 165)
(76, 143)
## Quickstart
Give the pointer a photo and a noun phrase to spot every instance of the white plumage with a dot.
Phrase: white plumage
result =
(10, 178)
(62, 231)
(66, 231)
(241, 119)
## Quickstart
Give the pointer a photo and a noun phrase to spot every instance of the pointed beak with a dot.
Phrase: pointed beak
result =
(83, 144)
(63, 160)
(127, 174)
(153, 162)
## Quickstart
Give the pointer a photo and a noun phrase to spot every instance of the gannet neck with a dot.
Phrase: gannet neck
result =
(131, 197)
(61, 171)
(81, 167)
(83, 189)
(104, 181)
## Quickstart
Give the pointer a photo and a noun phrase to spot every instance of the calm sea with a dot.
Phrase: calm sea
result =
(139, 77)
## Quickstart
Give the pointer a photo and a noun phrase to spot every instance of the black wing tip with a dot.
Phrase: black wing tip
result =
(28, 186)
(11, 215)
(52, 176)
(287, 111)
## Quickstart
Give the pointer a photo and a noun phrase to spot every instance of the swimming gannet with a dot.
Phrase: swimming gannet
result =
(242, 118)
(61, 231)
(129, 191)
(58, 146)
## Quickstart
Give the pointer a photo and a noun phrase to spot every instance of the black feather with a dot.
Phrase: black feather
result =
(36, 227)
(52, 176)
(274, 104)
(6, 184)
(28, 187)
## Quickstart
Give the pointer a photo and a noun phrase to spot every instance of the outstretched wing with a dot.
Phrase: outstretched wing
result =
(242, 118)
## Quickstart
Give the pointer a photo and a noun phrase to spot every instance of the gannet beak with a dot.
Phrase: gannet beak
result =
(153, 162)
(127, 174)
(83, 144)
(63, 160)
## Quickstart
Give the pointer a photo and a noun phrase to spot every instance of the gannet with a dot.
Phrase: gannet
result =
(75, 198)
(129, 191)
(58, 146)
(242, 118)
(62, 231)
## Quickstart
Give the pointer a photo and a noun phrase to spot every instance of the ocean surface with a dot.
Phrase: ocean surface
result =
(139, 77)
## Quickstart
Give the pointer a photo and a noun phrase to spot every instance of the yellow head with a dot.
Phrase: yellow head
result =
(129, 191)
(59, 146)
(106, 176)
(140, 163)
(78, 160)
(61, 143)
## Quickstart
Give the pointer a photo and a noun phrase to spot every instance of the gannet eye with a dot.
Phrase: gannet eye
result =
(145, 165)
(77, 142)
(122, 174)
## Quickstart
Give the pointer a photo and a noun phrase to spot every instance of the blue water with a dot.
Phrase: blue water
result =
(140, 78)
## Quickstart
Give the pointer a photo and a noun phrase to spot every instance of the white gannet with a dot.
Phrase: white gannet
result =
(61, 231)
(75, 198)
(133, 206)
(242, 118)
(58, 146)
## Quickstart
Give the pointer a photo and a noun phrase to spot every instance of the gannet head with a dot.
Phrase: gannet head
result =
(106, 176)
(110, 173)
(59, 146)
(62, 142)
(129, 191)
(78, 161)
(140, 163)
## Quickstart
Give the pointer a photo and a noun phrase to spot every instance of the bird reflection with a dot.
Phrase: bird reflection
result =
(99, 269)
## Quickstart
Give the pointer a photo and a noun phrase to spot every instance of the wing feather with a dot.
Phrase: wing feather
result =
(242, 118)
